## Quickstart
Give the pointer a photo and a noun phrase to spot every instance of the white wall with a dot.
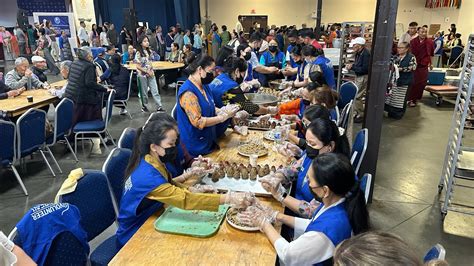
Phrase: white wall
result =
(289, 12)
(8, 12)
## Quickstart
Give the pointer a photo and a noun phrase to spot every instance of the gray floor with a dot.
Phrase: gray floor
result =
(405, 201)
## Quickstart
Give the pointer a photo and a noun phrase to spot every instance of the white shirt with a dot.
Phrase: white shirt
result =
(82, 34)
(238, 27)
(103, 38)
(308, 248)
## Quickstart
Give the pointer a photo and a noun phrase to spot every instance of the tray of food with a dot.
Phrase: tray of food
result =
(249, 149)
(262, 99)
(230, 175)
(231, 218)
(263, 124)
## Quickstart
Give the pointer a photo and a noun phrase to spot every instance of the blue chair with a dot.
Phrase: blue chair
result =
(114, 168)
(97, 127)
(67, 250)
(93, 199)
(345, 115)
(437, 252)
(365, 183)
(105, 252)
(62, 127)
(347, 92)
(127, 139)
(31, 134)
(124, 103)
(8, 150)
(358, 149)
(173, 111)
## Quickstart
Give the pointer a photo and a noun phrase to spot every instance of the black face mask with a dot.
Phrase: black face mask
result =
(299, 62)
(306, 102)
(208, 79)
(273, 49)
(316, 197)
(170, 154)
(311, 152)
(239, 79)
(247, 56)
(293, 43)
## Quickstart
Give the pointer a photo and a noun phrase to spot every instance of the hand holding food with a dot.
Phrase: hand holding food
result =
(202, 189)
(253, 217)
(239, 200)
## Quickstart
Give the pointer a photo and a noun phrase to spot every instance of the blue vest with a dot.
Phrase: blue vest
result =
(197, 141)
(328, 70)
(42, 223)
(333, 223)
(301, 70)
(142, 181)
(292, 62)
(219, 86)
(273, 60)
(176, 168)
(302, 108)
(440, 51)
(249, 76)
(303, 191)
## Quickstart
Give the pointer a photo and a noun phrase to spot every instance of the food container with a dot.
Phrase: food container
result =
(262, 99)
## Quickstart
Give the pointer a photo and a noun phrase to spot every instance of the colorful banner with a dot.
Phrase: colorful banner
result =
(59, 22)
(42, 6)
(84, 11)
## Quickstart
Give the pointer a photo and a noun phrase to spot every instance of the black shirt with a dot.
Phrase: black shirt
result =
(3, 90)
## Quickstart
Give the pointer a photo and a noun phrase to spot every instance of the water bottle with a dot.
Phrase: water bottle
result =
(277, 134)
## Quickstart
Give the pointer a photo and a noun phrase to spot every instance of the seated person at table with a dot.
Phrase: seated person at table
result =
(64, 70)
(149, 186)
(176, 55)
(38, 68)
(341, 214)
(22, 76)
(7, 92)
(224, 53)
(291, 66)
(119, 79)
(196, 112)
(226, 89)
(322, 136)
(245, 52)
(311, 113)
(316, 61)
(129, 55)
(83, 89)
(297, 67)
(274, 61)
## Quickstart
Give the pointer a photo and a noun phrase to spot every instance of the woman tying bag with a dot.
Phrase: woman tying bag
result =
(226, 89)
(341, 214)
(197, 114)
(149, 185)
(322, 136)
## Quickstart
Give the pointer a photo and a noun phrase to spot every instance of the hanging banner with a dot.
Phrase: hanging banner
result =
(60, 22)
(84, 11)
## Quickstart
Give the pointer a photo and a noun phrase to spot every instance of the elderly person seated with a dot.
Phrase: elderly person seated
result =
(22, 76)
(64, 70)
(7, 92)
(38, 68)
(83, 89)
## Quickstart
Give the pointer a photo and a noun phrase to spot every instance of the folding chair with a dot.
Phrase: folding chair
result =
(365, 183)
(347, 92)
(8, 149)
(358, 149)
(114, 168)
(345, 115)
(437, 252)
(127, 139)
(124, 103)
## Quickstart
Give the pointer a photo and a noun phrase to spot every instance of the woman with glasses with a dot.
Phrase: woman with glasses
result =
(196, 112)
(341, 214)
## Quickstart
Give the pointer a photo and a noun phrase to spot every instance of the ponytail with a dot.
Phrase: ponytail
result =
(336, 172)
(135, 157)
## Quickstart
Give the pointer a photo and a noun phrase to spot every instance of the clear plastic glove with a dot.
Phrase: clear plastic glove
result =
(7, 243)
(202, 162)
(255, 83)
(273, 110)
(242, 114)
(202, 189)
(291, 118)
(270, 182)
(264, 117)
(284, 92)
(285, 131)
(270, 213)
(253, 217)
(242, 130)
(239, 200)
(297, 93)
(288, 149)
(246, 86)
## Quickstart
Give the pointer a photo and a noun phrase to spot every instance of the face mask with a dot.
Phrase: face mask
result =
(107, 57)
(247, 56)
(306, 102)
(272, 49)
(316, 197)
(170, 154)
(208, 79)
(299, 62)
(311, 152)
(239, 79)
(293, 43)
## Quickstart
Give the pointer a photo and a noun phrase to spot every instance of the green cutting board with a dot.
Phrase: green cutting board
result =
(191, 223)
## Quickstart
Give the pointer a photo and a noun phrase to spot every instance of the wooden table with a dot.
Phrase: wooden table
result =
(58, 84)
(157, 65)
(14, 107)
(228, 247)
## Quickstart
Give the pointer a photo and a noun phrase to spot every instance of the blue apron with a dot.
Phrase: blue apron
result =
(219, 86)
(42, 223)
(328, 71)
(197, 141)
(293, 64)
(440, 51)
(269, 61)
(144, 179)
(333, 223)
(301, 70)
(303, 191)
(249, 76)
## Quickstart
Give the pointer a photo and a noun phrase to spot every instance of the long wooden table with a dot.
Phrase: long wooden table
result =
(157, 65)
(14, 107)
(229, 246)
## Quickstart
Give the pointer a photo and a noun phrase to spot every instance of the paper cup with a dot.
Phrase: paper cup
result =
(245, 130)
(253, 160)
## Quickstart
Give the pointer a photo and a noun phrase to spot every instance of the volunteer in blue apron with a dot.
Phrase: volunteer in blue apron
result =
(291, 65)
(196, 112)
(273, 61)
(149, 185)
(318, 62)
(341, 214)
(226, 89)
(322, 136)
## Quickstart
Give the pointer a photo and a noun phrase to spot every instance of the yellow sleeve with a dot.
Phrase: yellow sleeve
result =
(183, 199)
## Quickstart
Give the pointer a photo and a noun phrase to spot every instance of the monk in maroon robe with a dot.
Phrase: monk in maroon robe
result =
(423, 49)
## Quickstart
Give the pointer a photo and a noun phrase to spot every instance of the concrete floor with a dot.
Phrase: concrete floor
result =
(405, 200)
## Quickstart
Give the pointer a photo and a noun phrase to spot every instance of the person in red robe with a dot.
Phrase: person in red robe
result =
(423, 49)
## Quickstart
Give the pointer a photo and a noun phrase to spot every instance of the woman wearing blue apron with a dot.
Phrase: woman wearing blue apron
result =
(196, 112)
(322, 136)
(311, 113)
(341, 214)
(318, 62)
(226, 90)
(273, 61)
(149, 184)
(251, 82)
